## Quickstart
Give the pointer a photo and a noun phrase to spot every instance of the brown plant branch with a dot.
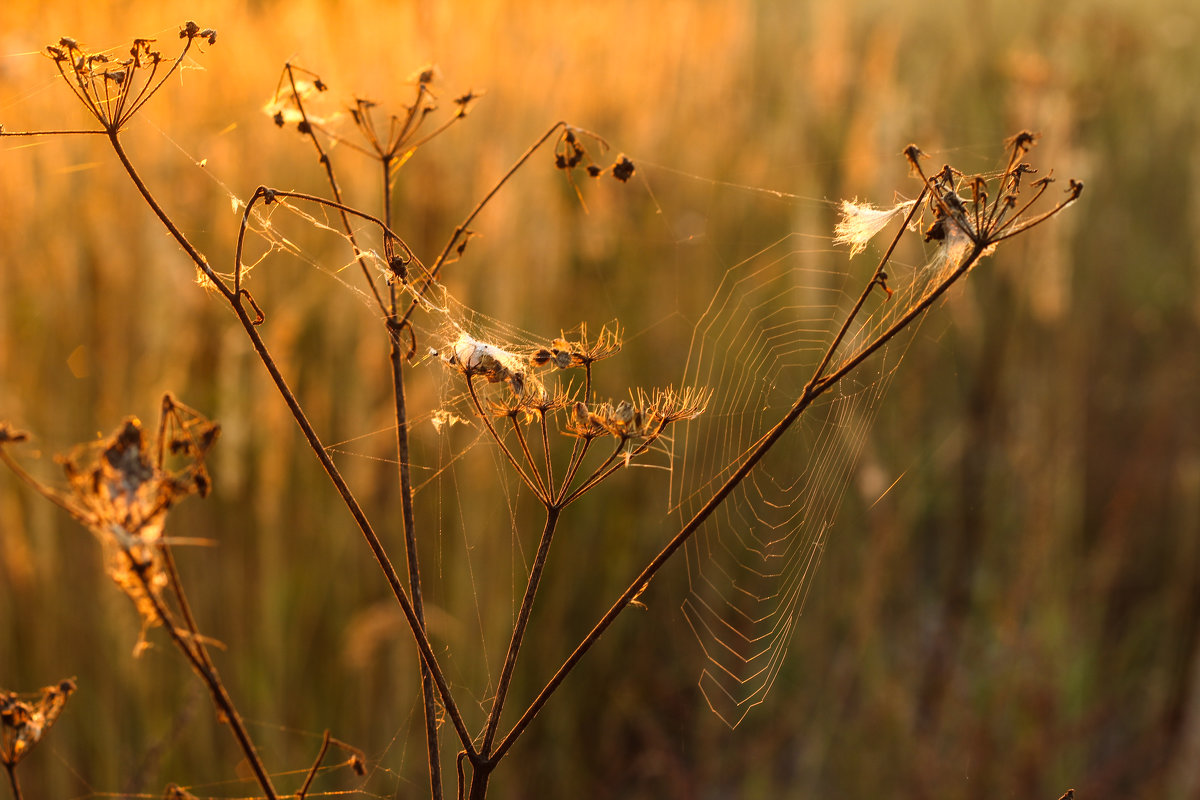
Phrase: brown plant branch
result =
(311, 437)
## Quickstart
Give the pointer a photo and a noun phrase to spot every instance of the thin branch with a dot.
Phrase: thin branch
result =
(404, 473)
(463, 226)
(518, 634)
(202, 665)
(314, 443)
(327, 163)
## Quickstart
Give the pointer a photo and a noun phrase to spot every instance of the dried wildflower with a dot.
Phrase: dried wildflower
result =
(475, 358)
(10, 434)
(623, 169)
(24, 719)
(583, 423)
(569, 151)
(624, 420)
(668, 405)
(122, 488)
(113, 91)
(565, 354)
(970, 213)
(390, 140)
(284, 107)
(427, 74)
(466, 102)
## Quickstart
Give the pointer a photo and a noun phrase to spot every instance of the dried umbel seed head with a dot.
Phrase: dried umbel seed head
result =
(475, 358)
(113, 91)
(623, 169)
(644, 417)
(122, 488)
(191, 31)
(972, 212)
(579, 350)
(10, 434)
(583, 423)
(465, 102)
(24, 719)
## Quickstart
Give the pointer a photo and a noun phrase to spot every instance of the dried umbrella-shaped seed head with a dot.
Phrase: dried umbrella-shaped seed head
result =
(122, 488)
(646, 416)
(969, 211)
(474, 358)
(114, 90)
(564, 354)
(123, 497)
(24, 719)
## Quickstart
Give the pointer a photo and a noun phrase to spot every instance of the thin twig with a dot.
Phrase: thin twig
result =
(404, 473)
(463, 226)
(202, 665)
(312, 772)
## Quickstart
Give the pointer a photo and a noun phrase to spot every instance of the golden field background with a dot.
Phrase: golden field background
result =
(1019, 615)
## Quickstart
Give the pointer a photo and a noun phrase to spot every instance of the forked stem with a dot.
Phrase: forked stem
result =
(518, 634)
(315, 444)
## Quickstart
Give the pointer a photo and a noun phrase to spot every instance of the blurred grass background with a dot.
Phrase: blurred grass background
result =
(1019, 615)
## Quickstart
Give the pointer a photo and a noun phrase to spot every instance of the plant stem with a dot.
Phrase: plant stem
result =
(195, 652)
(518, 634)
(483, 766)
(436, 268)
(12, 780)
(314, 443)
(331, 177)
(396, 359)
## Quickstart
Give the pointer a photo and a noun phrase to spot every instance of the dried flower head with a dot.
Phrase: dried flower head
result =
(564, 353)
(24, 719)
(392, 139)
(112, 89)
(583, 423)
(121, 489)
(970, 212)
(622, 169)
(474, 358)
(667, 405)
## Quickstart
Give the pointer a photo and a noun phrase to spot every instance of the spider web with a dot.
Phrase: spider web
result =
(759, 342)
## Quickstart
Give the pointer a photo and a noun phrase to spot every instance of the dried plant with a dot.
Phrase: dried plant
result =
(24, 720)
(538, 405)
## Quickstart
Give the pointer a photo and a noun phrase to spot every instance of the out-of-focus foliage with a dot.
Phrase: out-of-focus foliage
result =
(1019, 614)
